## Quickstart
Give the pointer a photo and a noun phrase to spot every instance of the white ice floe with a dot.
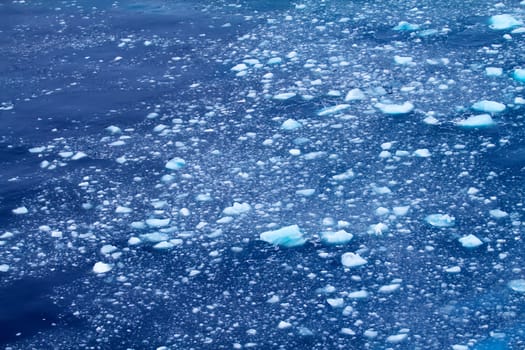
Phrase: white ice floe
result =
(440, 220)
(335, 302)
(517, 285)
(477, 121)
(401, 211)
(305, 192)
(4, 268)
(101, 267)
(108, 249)
(336, 238)
(403, 60)
(123, 210)
(284, 96)
(239, 68)
(290, 125)
(405, 26)
(78, 155)
(395, 109)
(498, 213)
(422, 153)
(488, 106)
(389, 288)
(154, 237)
(332, 110)
(163, 245)
(397, 338)
(352, 260)
(494, 71)
(175, 163)
(502, 22)
(519, 75)
(284, 325)
(288, 236)
(344, 176)
(237, 209)
(377, 229)
(470, 241)
(20, 211)
(157, 223)
(360, 294)
(453, 269)
(355, 95)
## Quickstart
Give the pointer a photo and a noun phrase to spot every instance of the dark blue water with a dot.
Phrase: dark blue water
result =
(96, 97)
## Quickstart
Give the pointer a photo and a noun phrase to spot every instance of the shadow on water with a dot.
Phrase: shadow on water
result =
(27, 309)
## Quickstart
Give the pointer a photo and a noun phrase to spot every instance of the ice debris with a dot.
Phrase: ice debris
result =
(175, 163)
(395, 109)
(517, 285)
(440, 220)
(284, 96)
(20, 211)
(405, 26)
(290, 125)
(502, 22)
(332, 110)
(237, 209)
(470, 241)
(488, 106)
(498, 213)
(336, 238)
(397, 338)
(352, 260)
(519, 75)
(493, 71)
(288, 236)
(354, 95)
(157, 223)
(477, 121)
(101, 267)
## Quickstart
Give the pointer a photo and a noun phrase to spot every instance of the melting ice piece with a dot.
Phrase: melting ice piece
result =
(498, 213)
(154, 237)
(389, 288)
(403, 60)
(344, 176)
(239, 68)
(284, 96)
(519, 75)
(354, 95)
(352, 260)
(517, 285)
(332, 110)
(405, 26)
(305, 192)
(336, 238)
(477, 121)
(470, 241)
(175, 163)
(290, 125)
(237, 209)
(395, 109)
(397, 338)
(440, 220)
(288, 236)
(156, 223)
(422, 153)
(488, 106)
(101, 267)
(493, 71)
(502, 22)
(20, 211)
(360, 294)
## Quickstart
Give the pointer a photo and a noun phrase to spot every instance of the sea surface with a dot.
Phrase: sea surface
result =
(262, 174)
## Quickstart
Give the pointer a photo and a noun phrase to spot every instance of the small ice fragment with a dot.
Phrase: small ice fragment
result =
(4, 268)
(239, 68)
(377, 229)
(400, 211)
(403, 60)
(314, 155)
(79, 155)
(498, 213)
(488, 106)
(360, 294)
(37, 149)
(422, 153)
(290, 125)
(493, 71)
(395, 109)
(332, 110)
(336, 238)
(163, 245)
(431, 121)
(112, 129)
(156, 223)
(389, 288)
(134, 241)
(108, 249)
(477, 121)
(288, 236)
(355, 95)
(335, 302)
(352, 260)
(284, 325)
(275, 60)
(154, 237)
(397, 338)
(370, 333)
(175, 163)
(459, 347)
(347, 331)
(517, 285)
(440, 220)
(519, 75)
(470, 241)
(305, 192)
(123, 210)
(405, 26)
(502, 22)
(101, 267)
(284, 96)
(453, 269)
(344, 176)
(237, 209)
(20, 211)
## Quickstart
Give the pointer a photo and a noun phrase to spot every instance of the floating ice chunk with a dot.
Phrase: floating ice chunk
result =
(498, 213)
(382, 190)
(157, 223)
(431, 121)
(101, 267)
(344, 176)
(477, 121)
(377, 229)
(20, 211)
(334, 93)
(288, 236)
(175, 163)
(134, 241)
(517, 285)
(395, 109)
(332, 110)
(284, 325)
(370, 333)
(493, 71)
(314, 155)
(488, 106)
(4, 268)
(422, 153)
(519, 75)
(78, 155)
(112, 129)
(389, 288)
(237, 209)
(290, 125)
(352, 260)
(440, 220)
(355, 95)
(284, 96)
(382, 211)
(405, 26)
(459, 347)
(502, 22)
(360, 294)
(453, 269)
(37, 149)
(154, 237)
(108, 249)
(400, 211)
(123, 210)
(403, 60)
(336, 238)
(305, 192)
(347, 331)
(470, 241)
(397, 338)
(335, 302)
(275, 60)
(239, 68)
(163, 245)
